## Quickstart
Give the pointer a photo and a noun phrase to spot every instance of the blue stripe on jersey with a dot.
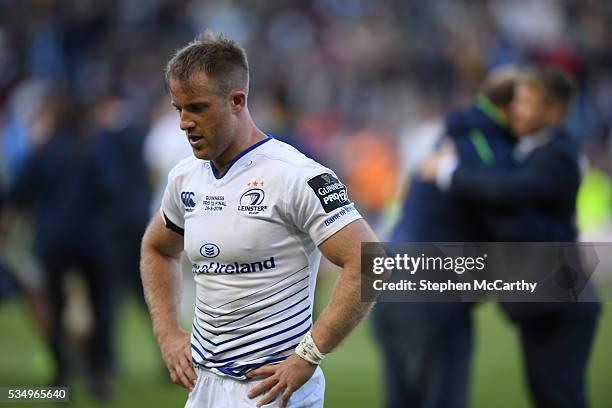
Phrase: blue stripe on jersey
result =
(239, 371)
(255, 322)
(193, 347)
(250, 304)
(292, 347)
(254, 341)
(249, 333)
(258, 310)
(247, 367)
(255, 351)
(228, 371)
(259, 291)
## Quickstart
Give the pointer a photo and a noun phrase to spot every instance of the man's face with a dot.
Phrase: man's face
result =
(530, 110)
(205, 114)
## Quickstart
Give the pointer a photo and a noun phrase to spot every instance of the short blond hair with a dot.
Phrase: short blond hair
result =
(220, 58)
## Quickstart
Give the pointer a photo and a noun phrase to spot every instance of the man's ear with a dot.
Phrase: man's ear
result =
(238, 101)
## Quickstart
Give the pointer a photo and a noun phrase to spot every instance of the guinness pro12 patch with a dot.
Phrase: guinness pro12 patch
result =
(330, 191)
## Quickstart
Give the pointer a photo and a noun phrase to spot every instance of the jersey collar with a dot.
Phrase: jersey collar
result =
(238, 157)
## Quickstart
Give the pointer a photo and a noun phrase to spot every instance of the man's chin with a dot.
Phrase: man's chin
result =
(202, 154)
(520, 131)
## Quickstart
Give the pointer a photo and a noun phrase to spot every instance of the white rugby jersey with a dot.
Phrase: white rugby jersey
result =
(252, 236)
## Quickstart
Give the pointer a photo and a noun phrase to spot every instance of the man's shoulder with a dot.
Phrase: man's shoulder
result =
(186, 166)
(561, 143)
(288, 161)
(560, 153)
(564, 140)
(461, 120)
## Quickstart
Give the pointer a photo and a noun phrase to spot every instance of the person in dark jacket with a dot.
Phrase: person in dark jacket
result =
(556, 337)
(427, 346)
(56, 182)
(122, 187)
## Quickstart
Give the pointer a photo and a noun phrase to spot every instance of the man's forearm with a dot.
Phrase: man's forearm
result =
(343, 312)
(161, 284)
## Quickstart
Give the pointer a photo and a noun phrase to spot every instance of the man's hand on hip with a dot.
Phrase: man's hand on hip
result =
(176, 352)
(284, 378)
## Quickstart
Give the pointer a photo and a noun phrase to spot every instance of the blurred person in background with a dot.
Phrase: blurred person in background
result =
(21, 280)
(56, 182)
(7, 282)
(556, 337)
(123, 189)
(427, 346)
(163, 149)
(28, 123)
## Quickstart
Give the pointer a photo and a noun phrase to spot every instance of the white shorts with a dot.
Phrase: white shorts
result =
(215, 391)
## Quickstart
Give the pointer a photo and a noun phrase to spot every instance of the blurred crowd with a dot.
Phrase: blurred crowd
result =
(335, 77)
(357, 84)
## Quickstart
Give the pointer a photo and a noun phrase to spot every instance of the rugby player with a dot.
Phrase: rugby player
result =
(253, 215)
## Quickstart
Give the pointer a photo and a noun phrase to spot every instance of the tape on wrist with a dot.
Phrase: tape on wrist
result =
(308, 350)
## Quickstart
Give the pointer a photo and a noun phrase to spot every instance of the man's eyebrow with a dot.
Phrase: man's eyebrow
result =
(191, 105)
(197, 105)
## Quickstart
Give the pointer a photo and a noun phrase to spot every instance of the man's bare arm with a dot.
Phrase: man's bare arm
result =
(344, 310)
(342, 314)
(161, 283)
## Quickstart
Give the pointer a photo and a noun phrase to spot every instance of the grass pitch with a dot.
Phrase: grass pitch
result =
(353, 372)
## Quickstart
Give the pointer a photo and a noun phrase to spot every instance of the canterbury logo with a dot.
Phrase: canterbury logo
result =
(187, 199)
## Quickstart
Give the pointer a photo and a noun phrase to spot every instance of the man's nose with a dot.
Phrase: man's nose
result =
(187, 123)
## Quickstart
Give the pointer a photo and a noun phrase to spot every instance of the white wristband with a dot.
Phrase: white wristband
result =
(308, 350)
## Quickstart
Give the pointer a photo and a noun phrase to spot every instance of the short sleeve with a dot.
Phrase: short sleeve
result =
(319, 205)
(171, 209)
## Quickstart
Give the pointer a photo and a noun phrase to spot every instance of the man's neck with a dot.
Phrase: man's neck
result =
(246, 139)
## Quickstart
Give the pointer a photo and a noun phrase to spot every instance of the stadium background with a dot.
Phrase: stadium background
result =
(359, 85)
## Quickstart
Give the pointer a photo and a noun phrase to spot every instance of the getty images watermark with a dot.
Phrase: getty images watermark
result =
(458, 265)
(511, 272)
